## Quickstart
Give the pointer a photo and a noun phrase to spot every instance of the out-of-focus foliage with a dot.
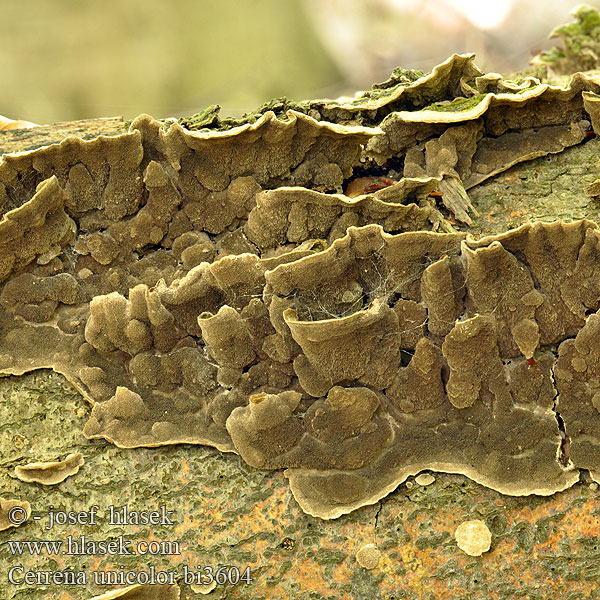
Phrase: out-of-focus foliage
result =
(71, 59)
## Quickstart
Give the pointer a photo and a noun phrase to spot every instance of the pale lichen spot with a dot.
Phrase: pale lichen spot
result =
(473, 537)
(368, 556)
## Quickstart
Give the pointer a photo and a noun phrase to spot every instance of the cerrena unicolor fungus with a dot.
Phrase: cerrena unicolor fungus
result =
(52, 472)
(216, 287)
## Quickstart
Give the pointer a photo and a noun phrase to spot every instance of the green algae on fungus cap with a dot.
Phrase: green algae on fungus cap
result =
(296, 151)
(464, 109)
(399, 76)
(578, 35)
(443, 82)
(466, 139)
(209, 118)
(415, 111)
(403, 90)
(473, 107)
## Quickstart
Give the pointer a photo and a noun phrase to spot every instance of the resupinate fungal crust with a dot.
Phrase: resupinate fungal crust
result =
(218, 287)
(52, 472)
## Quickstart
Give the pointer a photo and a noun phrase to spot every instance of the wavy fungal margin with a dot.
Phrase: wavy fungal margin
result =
(220, 288)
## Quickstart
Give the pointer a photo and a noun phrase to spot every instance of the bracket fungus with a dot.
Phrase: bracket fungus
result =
(368, 556)
(217, 287)
(50, 473)
(580, 46)
(424, 479)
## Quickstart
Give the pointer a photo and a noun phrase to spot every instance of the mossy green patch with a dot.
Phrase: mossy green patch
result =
(457, 105)
(580, 43)
(399, 76)
(552, 55)
(588, 23)
(209, 117)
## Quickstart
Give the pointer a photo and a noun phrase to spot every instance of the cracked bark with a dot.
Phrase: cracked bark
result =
(563, 456)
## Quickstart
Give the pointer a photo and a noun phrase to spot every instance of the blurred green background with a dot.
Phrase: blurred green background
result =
(74, 59)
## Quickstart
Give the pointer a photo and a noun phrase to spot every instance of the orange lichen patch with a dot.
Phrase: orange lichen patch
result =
(292, 555)
(50, 473)
(142, 592)
(13, 513)
(7, 124)
(582, 520)
(528, 550)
